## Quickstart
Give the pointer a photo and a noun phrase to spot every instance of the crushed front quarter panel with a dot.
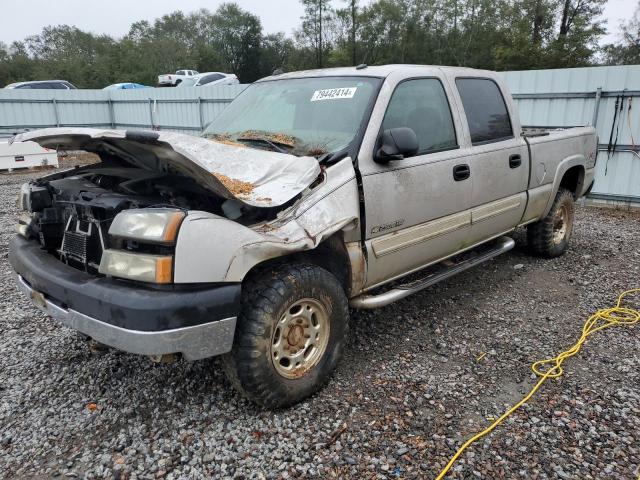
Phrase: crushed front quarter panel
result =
(214, 249)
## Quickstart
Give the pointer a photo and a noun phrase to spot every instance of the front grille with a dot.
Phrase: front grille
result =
(74, 245)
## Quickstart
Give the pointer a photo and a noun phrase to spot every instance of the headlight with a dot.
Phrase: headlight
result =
(154, 225)
(137, 266)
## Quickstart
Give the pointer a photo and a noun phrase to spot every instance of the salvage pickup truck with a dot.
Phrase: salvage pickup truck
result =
(311, 192)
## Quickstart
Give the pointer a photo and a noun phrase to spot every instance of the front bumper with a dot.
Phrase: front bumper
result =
(196, 322)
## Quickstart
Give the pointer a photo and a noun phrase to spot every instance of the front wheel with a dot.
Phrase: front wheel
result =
(550, 236)
(290, 335)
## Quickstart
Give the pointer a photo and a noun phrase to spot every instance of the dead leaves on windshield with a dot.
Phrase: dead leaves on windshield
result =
(226, 140)
(279, 138)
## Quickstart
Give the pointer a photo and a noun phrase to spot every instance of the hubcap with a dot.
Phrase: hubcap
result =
(561, 225)
(300, 338)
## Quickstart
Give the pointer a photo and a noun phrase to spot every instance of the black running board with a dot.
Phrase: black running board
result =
(501, 245)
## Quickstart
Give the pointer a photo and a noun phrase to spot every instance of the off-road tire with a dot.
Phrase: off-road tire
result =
(265, 299)
(545, 237)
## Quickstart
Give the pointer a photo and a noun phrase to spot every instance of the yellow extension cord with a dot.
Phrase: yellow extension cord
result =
(600, 320)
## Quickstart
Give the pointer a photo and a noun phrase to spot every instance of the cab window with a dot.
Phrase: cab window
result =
(422, 105)
(485, 109)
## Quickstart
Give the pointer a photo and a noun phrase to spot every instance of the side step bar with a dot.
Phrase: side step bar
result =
(502, 245)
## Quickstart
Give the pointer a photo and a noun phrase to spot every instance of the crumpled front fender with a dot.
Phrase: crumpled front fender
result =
(211, 248)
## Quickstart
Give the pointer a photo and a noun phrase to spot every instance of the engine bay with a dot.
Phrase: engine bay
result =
(71, 211)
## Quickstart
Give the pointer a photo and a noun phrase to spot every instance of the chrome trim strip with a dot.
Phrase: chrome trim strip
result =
(194, 343)
(398, 240)
(493, 209)
(410, 236)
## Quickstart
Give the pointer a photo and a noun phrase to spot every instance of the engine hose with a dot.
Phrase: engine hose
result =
(552, 367)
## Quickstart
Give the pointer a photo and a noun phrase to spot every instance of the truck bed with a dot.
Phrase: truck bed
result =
(531, 131)
(552, 152)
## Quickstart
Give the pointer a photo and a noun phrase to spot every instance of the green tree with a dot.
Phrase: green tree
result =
(578, 34)
(238, 36)
(493, 34)
(352, 10)
(276, 53)
(314, 31)
(627, 50)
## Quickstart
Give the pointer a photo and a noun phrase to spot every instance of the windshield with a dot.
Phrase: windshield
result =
(303, 116)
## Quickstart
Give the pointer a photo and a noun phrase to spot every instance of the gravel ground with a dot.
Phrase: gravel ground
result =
(408, 391)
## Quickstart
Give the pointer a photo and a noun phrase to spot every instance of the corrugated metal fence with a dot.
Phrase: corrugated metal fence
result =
(565, 97)
(590, 96)
(187, 109)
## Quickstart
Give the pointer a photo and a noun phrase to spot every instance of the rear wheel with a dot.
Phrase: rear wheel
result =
(290, 334)
(550, 236)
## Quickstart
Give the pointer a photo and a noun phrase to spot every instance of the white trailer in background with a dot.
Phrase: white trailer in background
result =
(25, 155)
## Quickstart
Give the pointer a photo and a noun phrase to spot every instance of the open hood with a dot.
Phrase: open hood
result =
(255, 177)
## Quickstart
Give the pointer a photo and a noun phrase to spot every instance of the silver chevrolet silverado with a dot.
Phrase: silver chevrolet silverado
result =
(312, 192)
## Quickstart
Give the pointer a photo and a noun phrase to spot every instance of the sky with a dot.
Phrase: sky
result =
(27, 17)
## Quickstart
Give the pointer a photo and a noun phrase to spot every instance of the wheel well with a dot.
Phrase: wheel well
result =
(331, 255)
(572, 179)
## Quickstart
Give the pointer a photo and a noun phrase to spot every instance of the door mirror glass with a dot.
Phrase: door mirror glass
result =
(396, 144)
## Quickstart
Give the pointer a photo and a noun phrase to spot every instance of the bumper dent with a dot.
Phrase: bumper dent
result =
(193, 342)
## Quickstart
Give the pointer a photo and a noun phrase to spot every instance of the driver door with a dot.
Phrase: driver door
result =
(417, 210)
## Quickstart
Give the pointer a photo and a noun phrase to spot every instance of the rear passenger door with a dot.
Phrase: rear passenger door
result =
(417, 208)
(499, 158)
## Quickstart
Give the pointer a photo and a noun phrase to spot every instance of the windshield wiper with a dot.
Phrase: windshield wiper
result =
(265, 142)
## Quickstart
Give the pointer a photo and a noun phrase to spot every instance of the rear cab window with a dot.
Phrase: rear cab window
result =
(486, 110)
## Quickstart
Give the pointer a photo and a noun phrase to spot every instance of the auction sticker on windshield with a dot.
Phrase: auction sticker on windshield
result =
(333, 93)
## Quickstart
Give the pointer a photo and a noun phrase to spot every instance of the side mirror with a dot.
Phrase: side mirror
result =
(396, 144)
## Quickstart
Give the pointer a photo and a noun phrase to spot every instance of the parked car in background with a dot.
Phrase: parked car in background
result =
(209, 79)
(43, 85)
(173, 79)
(125, 86)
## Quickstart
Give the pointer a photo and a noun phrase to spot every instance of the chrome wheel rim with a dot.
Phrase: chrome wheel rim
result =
(300, 338)
(561, 225)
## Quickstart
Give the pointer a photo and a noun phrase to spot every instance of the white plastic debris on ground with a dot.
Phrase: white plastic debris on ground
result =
(25, 155)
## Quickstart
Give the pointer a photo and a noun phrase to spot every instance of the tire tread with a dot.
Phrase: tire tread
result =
(262, 295)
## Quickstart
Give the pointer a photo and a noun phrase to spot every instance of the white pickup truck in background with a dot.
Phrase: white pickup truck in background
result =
(173, 79)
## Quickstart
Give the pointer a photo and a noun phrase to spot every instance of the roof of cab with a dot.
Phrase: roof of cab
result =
(379, 71)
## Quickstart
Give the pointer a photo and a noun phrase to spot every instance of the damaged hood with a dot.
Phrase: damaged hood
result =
(255, 177)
